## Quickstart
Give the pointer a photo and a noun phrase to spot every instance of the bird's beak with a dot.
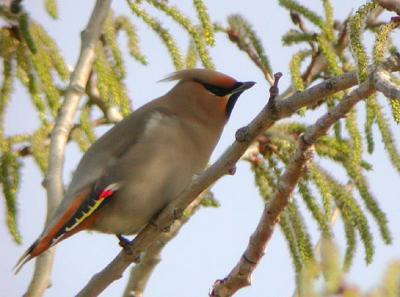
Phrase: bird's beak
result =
(237, 90)
(242, 86)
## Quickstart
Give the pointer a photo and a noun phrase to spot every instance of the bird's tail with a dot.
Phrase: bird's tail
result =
(42, 244)
(38, 247)
(78, 216)
(24, 258)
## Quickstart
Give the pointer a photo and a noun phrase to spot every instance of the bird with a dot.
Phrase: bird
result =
(143, 162)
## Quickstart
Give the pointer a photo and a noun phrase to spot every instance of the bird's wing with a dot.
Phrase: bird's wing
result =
(112, 146)
(80, 214)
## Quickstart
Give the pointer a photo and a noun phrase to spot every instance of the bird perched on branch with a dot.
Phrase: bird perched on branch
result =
(134, 170)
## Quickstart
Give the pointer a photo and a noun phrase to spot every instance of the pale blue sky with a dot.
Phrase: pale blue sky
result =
(212, 242)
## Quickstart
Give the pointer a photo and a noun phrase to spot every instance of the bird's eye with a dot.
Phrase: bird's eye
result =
(217, 91)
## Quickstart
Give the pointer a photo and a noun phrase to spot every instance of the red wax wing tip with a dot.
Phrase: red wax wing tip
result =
(105, 194)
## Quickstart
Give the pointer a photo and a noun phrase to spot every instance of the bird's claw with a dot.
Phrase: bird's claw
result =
(125, 244)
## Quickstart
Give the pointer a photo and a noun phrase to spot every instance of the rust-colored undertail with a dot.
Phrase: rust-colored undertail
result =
(80, 215)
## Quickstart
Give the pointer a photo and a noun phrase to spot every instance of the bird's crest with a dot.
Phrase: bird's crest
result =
(203, 76)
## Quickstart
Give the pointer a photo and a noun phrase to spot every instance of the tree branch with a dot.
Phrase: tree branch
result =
(240, 276)
(391, 5)
(244, 137)
(64, 122)
(318, 62)
(245, 47)
(141, 272)
(111, 113)
(383, 83)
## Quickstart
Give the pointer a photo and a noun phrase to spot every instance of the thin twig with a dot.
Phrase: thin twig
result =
(298, 21)
(318, 63)
(54, 185)
(26, 150)
(111, 113)
(251, 53)
(383, 82)
(392, 5)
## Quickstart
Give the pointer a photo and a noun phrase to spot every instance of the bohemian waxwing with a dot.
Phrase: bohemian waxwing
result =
(130, 173)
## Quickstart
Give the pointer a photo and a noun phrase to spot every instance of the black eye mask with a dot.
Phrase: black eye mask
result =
(235, 91)
(219, 91)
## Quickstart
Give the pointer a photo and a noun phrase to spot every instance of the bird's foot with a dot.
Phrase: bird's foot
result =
(124, 243)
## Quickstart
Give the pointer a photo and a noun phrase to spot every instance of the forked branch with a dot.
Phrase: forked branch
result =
(245, 136)
(240, 276)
